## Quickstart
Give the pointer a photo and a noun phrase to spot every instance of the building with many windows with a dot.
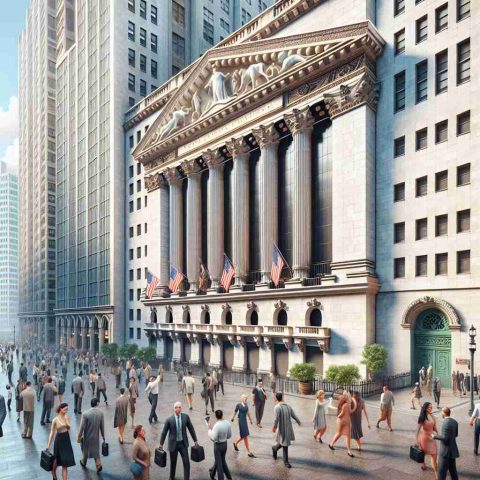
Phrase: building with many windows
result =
(8, 252)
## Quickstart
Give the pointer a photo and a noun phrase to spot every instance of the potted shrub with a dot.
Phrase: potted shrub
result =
(305, 374)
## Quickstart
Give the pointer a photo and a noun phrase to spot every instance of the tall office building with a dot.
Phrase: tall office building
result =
(8, 252)
(37, 175)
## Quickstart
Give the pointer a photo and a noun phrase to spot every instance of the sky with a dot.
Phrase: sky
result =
(12, 19)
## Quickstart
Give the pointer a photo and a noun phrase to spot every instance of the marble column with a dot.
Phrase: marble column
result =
(195, 351)
(84, 337)
(300, 123)
(240, 152)
(267, 139)
(265, 358)
(177, 349)
(92, 338)
(161, 347)
(194, 221)
(101, 338)
(176, 218)
(215, 354)
(240, 355)
(215, 226)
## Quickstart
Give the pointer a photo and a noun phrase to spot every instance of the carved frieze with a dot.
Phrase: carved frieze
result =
(280, 304)
(152, 182)
(315, 303)
(252, 306)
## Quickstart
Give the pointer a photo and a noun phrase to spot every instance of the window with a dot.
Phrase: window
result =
(130, 274)
(143, 63)
(208, 25)
(463, 9)
(130, 188)
(139, 333)
(178, 13)
(463, 123)
(139, 273)
(225, 25)
(463, 175)
(441, 131)
(143, 88)
(130, 232)
(463, 62)
(130, 295)
(139, 185)
(143, 8)
(441, 72)
(139, 203)
(131, 31)
(421, 266)
(421, 139)
(139, 136)
(441, 264)
(421, 29)
(421, 81)
(139, 293)
(441, 225)
(143, 37)
(175, 69)
(463, 221)
(130, 168)
(399, 146)
(131, 101)
(399, 232)
(153, 42)
(399, 100)
(146, 228)
(139, 229)
(399, 192)
(178, 46)
(131, 5)
(130, 254)
(130, 333)
(421, 186)
(398, 7)
(441, 181)
(246, 17)
(146, 272)
(130, 206)
(399, 42)
(421, 229)
(153, 87)
(399, 267)
(131, 82)
(463, 261)
(131, 57)
(130, 144)
(139, 168)
(153, 14)
(146, 250)
(441, 18)
(225, 4)
(139, 314)
(154, 69)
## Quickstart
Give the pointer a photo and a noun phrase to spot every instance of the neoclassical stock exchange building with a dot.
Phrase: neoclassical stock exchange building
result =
(270, 139)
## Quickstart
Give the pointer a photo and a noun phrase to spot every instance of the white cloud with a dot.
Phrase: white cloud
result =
(10, 156)
(9, 122)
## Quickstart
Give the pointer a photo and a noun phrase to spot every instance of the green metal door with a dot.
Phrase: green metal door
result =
(432, 344)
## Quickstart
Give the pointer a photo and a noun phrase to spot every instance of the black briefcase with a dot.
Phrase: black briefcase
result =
(46, 460)
(416, 454)
(197, 453)
(160, 457)
(105, 449)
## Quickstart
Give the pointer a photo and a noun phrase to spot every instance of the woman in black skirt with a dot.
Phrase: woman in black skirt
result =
(62, 447)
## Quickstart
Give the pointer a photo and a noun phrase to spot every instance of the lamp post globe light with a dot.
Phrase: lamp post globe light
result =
(472, 346)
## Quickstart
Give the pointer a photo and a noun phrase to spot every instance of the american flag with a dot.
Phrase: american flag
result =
(152, 282)
(277, 265)
(204, 277)
(228, 274)
(176, 278)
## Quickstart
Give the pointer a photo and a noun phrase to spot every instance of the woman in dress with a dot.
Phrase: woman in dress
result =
(120, 418)
(346, 405)
(416, 395)
(427, 424)
(18, 399)
(141, 453)
(133, 389)
(62, 447)
(242, 410)
(356, 420)
(319, 421)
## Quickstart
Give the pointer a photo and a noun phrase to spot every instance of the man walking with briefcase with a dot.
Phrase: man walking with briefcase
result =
(176, 426)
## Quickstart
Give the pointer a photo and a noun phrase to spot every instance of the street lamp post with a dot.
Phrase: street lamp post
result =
(472, 346)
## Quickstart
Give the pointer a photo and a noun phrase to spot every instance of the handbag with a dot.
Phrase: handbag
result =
(136, 469)
(46, 460)
(197, 453)
(105, 449)
(160, 457)
(416, 454)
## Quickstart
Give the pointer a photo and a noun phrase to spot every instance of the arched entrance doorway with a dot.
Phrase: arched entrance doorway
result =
(432, 345)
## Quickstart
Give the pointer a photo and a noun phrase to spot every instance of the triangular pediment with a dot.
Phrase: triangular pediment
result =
(228, 81)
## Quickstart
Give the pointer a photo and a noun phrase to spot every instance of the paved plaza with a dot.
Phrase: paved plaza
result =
(385, 455)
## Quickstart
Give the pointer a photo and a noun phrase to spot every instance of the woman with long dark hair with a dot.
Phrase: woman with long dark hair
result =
(427, 425)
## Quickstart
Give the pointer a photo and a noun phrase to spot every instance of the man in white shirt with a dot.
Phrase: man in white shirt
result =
(475, 422)
(387, 401)
(189, 388)
(219, 434)
(152, 393)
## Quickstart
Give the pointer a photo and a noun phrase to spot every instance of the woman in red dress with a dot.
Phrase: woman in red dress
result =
(427, 425)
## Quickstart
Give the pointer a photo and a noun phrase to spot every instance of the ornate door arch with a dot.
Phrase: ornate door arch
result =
(432, 344)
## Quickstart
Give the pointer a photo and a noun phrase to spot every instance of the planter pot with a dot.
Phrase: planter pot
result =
(305, 388)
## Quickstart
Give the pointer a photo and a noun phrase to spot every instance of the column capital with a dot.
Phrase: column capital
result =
(299, 119)
(152, 182)
(212, 158)
(266, 135)
(237, 147)
(172, 175)
(190, 167)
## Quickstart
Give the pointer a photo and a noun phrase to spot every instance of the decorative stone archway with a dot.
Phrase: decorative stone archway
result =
(419, 305)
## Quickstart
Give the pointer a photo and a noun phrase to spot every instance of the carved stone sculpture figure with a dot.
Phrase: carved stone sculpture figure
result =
(196, 106)
(179, 120)
(250, 76)
(217, 85)
(288, 61)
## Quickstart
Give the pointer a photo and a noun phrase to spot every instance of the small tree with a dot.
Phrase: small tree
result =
(303, 372)
(110, 350)
(343, 375)
(147, 354)
(374, 357)
(128, 350)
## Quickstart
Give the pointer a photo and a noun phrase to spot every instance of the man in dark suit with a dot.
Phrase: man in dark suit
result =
(49, 392)
(78, 390)
(448, 446)
(176, 427)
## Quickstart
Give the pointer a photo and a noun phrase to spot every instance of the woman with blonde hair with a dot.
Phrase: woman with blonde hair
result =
(319, 421)
(346, 406)
(242, 410)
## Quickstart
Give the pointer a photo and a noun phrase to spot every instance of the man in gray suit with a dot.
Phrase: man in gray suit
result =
(448, 446)
(91, 427)
(49, 392)
(78, 389)
(28, 397)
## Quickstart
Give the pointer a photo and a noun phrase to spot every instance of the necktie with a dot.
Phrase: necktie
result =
(179, 429)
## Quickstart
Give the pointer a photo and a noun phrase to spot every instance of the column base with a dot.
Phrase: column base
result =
(299, 273)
